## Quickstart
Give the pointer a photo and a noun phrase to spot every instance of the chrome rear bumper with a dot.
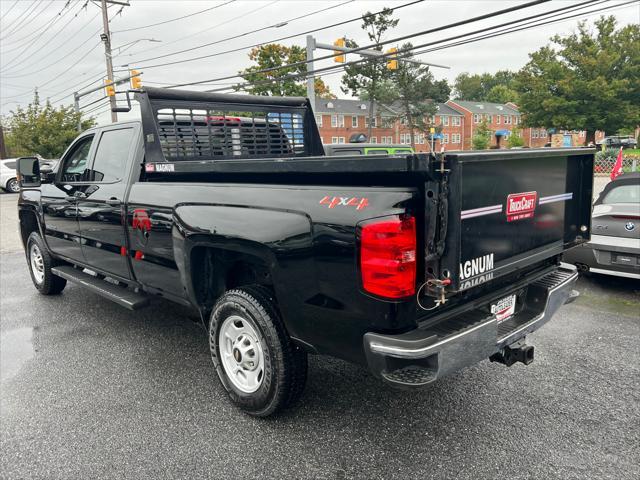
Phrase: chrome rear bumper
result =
(422, 355)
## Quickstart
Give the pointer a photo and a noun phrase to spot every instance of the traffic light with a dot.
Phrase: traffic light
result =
(136, 79)
(339, 55)
(392, 59)
(110, 88)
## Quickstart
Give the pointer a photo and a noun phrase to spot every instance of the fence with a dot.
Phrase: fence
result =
(606, 160)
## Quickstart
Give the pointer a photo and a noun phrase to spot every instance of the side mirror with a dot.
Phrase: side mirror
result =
(28, 172)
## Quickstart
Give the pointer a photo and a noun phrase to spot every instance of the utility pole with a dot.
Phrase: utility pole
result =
(311, 79)
(3, 148)
(106, 38)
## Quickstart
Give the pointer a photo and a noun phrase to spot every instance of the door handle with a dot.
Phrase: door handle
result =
(114, 202)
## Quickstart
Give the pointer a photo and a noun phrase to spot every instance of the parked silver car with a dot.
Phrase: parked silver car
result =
(614, 248)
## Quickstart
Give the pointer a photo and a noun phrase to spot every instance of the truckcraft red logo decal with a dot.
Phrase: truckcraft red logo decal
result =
(358, 203)
(521, 205)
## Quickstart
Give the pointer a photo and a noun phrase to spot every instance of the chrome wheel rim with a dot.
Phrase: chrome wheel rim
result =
(241, 353)
(14, 186)
(37, 263)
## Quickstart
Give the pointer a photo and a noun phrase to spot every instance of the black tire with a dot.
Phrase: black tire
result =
(285, 364)
(13, 186)
(49, 284)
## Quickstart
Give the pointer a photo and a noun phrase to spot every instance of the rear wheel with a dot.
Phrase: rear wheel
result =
(40, 264)
(13, 186)
(258, 365)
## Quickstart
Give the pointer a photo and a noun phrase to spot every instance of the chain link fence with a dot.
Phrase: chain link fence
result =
(606, 160)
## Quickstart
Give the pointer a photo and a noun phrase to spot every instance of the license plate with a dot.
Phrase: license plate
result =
(504, 308)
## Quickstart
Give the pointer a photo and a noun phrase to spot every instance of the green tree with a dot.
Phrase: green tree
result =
(369, 80)
(416, 93)
(502, 94)
(586, 80)
(42, 130)
(486, 87)
(515, 139)
(272, 56)
(481, 138)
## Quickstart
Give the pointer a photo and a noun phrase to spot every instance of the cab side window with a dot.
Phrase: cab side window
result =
(111, 156)
(75, 165)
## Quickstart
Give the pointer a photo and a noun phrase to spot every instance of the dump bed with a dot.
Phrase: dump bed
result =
(510, 209)
(486, 214)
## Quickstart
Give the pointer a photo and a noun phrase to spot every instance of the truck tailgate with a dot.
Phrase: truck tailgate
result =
(510, 209)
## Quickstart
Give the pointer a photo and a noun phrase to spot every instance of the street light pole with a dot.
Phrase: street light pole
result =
(106, 38)
(311, 80)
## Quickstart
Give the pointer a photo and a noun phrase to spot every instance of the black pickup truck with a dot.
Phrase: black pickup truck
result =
(413, 265)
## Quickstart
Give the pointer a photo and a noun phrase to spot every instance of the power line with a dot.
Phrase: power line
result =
(36, 31)
(94, 102)
(235, 37)
(53, 20)
(530, 25)
(46, 52)
(8, 11)
(55, 62)
(412, 49)
(15, 28)
(174, 19)
(344, 22)
(394, 40)
(8, 28)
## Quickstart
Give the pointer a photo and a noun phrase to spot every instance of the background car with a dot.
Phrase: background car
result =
(617, 142)
(8, 178)
(346, 149)
(614, 248)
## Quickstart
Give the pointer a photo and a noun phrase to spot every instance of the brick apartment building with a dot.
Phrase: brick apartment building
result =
(339, 119)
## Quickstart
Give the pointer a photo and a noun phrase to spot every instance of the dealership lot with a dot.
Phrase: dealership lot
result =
(90, 390)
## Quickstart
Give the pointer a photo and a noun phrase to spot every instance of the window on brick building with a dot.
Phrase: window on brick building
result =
(334, 121)
(319, 120)
(445, 138)
(445, 120)
(477, 118)
(354, 121)
(534, 133)
(340, 139)
(374, 140)
(455, 121)
(334, 139)
(487, 117)
(498, 117)
(455, 138)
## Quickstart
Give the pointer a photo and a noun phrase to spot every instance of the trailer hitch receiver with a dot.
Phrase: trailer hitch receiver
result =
(516, 352)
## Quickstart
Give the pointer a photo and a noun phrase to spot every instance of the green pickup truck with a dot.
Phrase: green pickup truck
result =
(341, 149)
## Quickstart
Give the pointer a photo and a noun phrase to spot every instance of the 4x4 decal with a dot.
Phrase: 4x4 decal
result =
(358, 202)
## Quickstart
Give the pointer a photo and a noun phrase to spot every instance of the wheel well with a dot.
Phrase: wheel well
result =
(214, 271)
(28, 224)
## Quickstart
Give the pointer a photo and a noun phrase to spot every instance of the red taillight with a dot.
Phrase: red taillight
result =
(388, 256)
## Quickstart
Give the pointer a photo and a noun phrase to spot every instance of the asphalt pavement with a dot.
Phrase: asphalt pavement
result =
(90, 390)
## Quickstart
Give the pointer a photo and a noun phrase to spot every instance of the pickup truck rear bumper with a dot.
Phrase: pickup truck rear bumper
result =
(419, 357)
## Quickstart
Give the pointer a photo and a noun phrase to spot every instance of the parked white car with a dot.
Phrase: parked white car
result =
(8, 178)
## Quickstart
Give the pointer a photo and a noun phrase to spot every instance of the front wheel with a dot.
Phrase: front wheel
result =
(13, 186)
(256, 361)
(40, 263)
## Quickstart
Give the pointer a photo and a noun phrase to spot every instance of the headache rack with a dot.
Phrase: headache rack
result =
(186, 126)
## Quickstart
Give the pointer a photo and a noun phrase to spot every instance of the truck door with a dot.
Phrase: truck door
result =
(100, 210)
(59, 201)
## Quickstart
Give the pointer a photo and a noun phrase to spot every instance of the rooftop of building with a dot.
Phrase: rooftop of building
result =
(486, 107)
(361, 107)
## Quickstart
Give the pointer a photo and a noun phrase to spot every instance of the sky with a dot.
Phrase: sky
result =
(55, 45)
